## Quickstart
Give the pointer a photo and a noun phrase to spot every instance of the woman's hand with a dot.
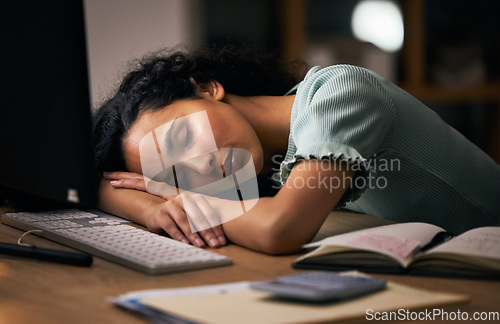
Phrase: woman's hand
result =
(182, 216)
(172, 217)
(132, 180)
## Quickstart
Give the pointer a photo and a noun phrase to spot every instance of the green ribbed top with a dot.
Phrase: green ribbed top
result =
(412, 165)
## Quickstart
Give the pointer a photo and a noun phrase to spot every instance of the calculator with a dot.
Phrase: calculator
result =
(319, 286)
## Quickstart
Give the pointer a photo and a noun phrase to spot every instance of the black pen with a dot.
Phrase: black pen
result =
(439, 238)
(43, 254)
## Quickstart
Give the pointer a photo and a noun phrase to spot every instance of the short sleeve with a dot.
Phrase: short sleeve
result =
(341, 112)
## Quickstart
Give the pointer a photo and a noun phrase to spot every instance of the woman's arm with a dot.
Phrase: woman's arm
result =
(155, 213)
(127, 203)
(275, 225)
(281, 224)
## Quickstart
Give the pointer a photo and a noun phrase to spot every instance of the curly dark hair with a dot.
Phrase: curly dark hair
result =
(164, 77)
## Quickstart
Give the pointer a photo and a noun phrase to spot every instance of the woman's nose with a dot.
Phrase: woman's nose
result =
(203, 164)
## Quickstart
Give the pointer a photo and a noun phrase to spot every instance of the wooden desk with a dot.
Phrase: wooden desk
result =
(35, 292)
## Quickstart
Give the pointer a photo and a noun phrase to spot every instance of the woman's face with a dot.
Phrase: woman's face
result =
(203, 139)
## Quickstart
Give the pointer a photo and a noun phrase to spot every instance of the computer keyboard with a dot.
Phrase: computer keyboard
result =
(110, 238)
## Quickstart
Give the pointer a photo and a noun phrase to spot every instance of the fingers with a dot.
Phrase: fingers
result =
(219, 232)
(211, 217)
(130, 183)
(131, 180)
(179, 222)
(183, 220)
(196, 216)
(122, 175)
(199, 219)
(171, 229)
(168, 218)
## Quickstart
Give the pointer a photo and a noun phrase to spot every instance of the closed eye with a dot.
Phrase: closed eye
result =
(187, 139)
(182, 136)
(168, 137)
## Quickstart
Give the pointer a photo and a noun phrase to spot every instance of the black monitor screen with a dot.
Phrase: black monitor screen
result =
(45, 125)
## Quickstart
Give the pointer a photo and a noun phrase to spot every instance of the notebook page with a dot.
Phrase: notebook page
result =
(394, 237)
(484, 241)
(422, 232)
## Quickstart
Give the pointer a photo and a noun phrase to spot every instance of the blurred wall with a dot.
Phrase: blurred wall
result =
(120, 30)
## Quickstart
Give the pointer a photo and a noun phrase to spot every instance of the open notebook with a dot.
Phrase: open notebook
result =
(417, 248)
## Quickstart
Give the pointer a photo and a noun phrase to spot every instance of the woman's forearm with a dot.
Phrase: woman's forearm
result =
(281, 224)
(275, 227)
(127, 203)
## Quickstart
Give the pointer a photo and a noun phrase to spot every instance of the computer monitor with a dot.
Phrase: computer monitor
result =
(45, 111)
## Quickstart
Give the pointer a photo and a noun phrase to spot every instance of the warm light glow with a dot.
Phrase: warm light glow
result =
(379, 22)
(4, 270)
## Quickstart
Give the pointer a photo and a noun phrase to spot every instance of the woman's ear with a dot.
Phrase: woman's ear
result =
(212, 88)
(216, 90)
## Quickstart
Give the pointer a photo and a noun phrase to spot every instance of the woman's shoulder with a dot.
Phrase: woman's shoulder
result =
(318, 73)
(342, 85)
(338, 75)
(342, 80)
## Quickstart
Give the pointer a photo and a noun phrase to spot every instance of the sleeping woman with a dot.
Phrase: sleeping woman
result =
(338, 136)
